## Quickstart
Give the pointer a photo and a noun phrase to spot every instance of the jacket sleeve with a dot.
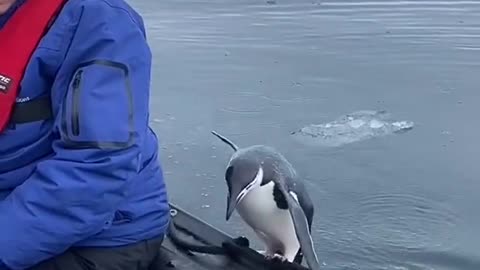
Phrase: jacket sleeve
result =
(102, 121)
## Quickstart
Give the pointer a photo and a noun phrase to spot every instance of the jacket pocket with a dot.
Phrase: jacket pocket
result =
(98, 110)
(76, 87)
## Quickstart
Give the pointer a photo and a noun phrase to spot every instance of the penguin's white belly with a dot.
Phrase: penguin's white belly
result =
(274, 225)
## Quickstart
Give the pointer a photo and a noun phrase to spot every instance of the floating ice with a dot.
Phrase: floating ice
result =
(354, 127)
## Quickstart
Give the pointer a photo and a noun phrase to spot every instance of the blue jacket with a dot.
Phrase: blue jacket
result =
(91, 176)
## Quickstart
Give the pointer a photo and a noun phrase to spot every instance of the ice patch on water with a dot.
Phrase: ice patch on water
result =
(353, 127)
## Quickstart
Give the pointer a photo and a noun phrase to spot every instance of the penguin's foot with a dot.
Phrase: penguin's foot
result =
(276, 256)
(263, 252)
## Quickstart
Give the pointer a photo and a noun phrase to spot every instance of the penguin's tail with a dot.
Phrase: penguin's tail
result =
(225, 140)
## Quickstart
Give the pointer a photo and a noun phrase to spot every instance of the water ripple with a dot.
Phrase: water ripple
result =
(406, 221)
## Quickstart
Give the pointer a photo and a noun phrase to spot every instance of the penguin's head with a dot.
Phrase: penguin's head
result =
(242, 176)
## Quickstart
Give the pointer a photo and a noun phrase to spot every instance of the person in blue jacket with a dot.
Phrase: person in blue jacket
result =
(83, 189)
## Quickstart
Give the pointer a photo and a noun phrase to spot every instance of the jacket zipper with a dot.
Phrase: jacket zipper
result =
(75, 103)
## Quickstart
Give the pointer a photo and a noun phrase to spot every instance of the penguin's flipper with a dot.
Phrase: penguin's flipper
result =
(301, 228)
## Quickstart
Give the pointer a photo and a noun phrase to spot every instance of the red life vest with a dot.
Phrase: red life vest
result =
(19, 39)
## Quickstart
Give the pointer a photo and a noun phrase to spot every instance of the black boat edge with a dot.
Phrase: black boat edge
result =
(194, 244)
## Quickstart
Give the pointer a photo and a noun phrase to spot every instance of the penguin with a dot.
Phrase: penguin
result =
(265, 190)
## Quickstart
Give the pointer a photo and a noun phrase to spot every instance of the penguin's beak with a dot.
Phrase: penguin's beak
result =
(231, 205)
(232, 201)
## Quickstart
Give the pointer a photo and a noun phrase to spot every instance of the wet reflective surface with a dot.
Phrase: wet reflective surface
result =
(257, 71)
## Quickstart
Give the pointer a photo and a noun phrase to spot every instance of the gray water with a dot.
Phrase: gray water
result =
(257, 71)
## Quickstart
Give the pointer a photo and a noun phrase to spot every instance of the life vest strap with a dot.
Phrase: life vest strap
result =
(33, 110)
